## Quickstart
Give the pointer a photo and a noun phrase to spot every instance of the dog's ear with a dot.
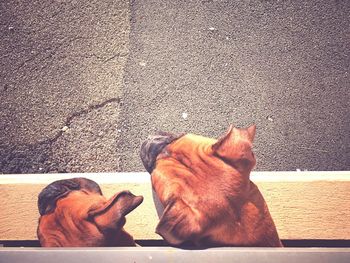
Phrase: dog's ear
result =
(153, 146)
(251, 130)
(234, 134)
(223, 140)
(50, 194)
(235, 147)
(111, 215)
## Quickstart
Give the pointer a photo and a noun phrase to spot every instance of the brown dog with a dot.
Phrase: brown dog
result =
(75, 213)
(206, 192)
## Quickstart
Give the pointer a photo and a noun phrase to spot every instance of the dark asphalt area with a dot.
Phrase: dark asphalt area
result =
(283, 65)
(61, 69)
(82, 84)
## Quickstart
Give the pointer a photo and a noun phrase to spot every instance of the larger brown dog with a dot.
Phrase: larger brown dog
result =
(206, 192)
(74, 213)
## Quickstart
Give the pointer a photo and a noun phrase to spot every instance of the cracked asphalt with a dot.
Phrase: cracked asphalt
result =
(83, 83)
(61, 71)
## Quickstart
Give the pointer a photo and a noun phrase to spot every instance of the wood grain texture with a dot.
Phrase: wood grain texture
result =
(302, 209)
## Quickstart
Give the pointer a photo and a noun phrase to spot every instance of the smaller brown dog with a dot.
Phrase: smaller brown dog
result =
(75, 213)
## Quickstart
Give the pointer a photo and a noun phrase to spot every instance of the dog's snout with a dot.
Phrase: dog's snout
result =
(153, 146)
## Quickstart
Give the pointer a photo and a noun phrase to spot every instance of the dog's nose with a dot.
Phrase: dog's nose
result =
(153, 146)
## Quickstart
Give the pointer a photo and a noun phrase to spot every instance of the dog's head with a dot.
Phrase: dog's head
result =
(74, 212)
(199, 182)
(234, 148)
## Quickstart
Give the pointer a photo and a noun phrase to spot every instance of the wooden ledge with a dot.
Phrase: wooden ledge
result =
(304, 205)
(143, 177)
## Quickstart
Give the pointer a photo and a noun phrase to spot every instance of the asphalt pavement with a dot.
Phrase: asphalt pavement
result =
(61, 71)
(82, 84)
(198, 66)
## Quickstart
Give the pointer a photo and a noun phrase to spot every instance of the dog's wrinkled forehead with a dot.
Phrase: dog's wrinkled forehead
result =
(154, 144)
(50, 194)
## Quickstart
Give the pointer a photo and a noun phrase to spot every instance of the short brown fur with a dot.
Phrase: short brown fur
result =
(208, 197)
(84, 218)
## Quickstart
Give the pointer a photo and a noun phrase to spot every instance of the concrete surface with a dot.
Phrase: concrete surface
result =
(283, 65)
(191, 66)
(61, 67)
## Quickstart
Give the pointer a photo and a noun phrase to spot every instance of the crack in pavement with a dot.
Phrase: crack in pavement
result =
(61, 61)
(90, 108)
(35, 157)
